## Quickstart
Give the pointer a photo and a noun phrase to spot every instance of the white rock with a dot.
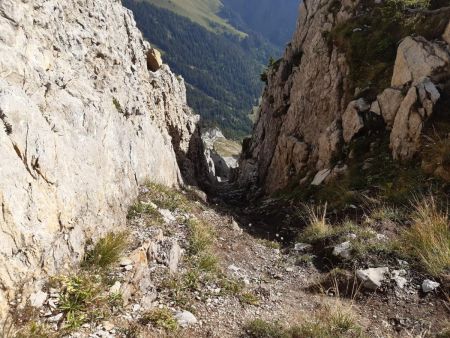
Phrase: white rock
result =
(235, 226)
(372, 277)
(321, 176)
(398, 278)
(233, 268)
(167, 215)
(115, 289)
(185, 318)
(343, 250)
(429, 285)
(56, 318)
(175, 254)
(108, 326)
(124, 261)
(38, 299)
(302, 247)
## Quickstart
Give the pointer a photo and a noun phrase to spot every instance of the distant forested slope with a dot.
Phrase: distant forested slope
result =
(273, 19)
(222, 70)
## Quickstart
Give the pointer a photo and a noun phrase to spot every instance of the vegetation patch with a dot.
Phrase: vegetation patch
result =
(370, 39)
(83, 299)
(428, 238)
(161, 318)
(106, 252)
(334, 321)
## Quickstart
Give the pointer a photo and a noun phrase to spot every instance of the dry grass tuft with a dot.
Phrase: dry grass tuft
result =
(317, 226)
(428, 239)
(106, 252)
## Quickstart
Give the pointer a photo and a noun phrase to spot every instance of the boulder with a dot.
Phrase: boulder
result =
(372, 277)
(417, 58)
(154, 60)
(405, 135)
(352, 121)
(389, 102)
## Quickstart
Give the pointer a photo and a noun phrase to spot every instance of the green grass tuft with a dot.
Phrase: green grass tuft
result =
(160, 318)
(106, 252)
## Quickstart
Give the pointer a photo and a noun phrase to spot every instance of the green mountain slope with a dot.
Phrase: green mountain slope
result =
(203, 12)
(273, 19)
(221, 64)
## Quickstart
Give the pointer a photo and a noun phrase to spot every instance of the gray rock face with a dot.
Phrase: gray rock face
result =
(309, 99)
(352, 121)
(417, 58)
(303, 99)
(83, 122)
(389, 102)
(221, 154)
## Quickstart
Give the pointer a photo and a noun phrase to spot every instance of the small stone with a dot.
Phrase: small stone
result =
(302, 247)
(397, 277)
(56, 318)
(233, 268)
(185, 318)
(115, 288)
(343, 250)
(128, 267)
(289, 269)
(167, 215)
(108, 326)
(37, 299)
(235, 226)
(372, 277)
(429, 285)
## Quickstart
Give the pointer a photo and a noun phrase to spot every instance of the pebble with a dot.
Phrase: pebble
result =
(185, 318)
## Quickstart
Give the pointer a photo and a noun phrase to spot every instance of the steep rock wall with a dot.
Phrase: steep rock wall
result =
(83, 122)
(311, 111)
(305, 95)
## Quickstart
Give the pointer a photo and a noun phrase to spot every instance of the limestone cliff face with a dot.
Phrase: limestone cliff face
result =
(310, 111)
(82, 123)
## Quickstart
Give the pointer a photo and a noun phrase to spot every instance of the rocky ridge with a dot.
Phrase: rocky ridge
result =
(310, 115)
(87, 114)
